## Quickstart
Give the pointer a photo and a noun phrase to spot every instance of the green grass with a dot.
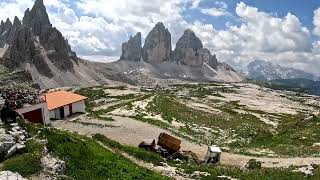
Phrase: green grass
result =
(28, 163)
(256, 174)
(250, 131)
(86, 159)
(136, 152)
(117, 87)
(25, 164)
(93, 93)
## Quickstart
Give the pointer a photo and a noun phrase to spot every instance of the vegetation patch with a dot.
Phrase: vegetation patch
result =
(136, 152)
(86, 159)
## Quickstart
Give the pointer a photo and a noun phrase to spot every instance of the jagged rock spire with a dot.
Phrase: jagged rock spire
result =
(37, 18)
(157, 46)
(131, 50)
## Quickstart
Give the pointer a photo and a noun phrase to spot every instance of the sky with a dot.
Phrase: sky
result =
(286, 32)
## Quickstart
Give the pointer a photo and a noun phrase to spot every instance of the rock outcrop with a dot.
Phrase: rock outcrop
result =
(189, 51)
(131, 50)
(157, 46)
(53, 165)
(13, 141)
(25, 49)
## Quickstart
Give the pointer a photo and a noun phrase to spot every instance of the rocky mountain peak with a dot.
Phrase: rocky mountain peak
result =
(5, 29)
(157, 46)
(8, 22)
(16, 21)
(189, 51)
(131, 50)
(35, 41)
(37, 18)
(189, 40)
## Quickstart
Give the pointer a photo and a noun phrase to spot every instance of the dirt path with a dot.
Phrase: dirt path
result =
(131, 132)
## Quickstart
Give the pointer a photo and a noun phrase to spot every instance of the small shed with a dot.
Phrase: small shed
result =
(213, 155)
(36, 113)
(62, 104)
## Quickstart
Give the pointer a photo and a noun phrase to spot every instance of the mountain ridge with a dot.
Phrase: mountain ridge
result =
(264, 70)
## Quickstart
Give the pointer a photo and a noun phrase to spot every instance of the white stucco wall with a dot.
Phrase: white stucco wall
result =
(66, 111)
(42, 106)
(78, 107)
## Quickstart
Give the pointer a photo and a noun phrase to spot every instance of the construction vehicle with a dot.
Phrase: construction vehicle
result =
(148, 144)
(169, 146)
(170, 143)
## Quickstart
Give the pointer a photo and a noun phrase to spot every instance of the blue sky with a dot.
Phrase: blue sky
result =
(301, 8)
(286, 32)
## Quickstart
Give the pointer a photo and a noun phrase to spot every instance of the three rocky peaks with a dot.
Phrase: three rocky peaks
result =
(157, 48)
(34, 45)
(33, 40)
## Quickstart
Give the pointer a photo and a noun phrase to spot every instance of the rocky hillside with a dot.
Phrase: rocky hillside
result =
(156, 61)
(263, 70)
(33, 44)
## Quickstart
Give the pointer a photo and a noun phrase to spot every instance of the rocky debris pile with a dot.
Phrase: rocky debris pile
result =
(170, 171)
(157, 46)
(251, 164)
(308, 170)
(19, 98)
(53, 165)
(8, 175)
(12, 141)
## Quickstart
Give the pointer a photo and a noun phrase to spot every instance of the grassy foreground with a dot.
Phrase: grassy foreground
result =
(84, 157)
(214, 170)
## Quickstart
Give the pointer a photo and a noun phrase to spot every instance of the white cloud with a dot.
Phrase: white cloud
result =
(12, 8)
(220, 9)
(195, 4)
(260, 35)
(215, 12)
(316, 22)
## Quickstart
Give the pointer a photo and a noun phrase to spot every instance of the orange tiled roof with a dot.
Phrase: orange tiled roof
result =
(61, 98)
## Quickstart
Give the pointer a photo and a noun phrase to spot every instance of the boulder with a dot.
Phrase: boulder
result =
(8, 175)
(157, 46)
(53, 165)
(12, 151)
(307, 170)
(251, 164)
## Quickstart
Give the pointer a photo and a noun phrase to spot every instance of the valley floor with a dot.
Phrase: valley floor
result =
(131, 132)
